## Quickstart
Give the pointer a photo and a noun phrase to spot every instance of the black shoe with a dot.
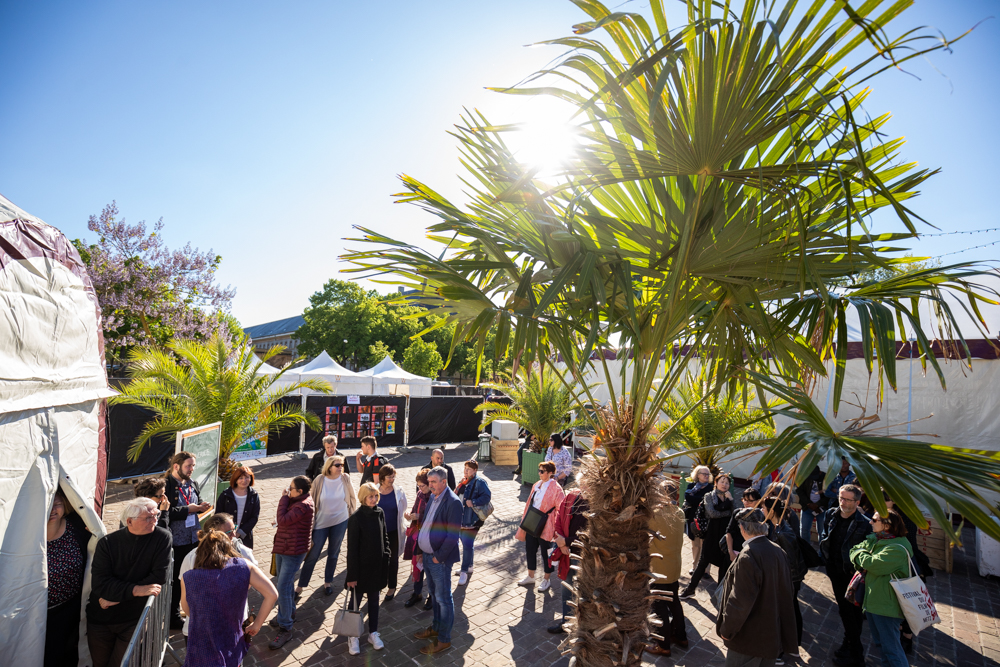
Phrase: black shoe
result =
(843, 651)
(273, 623)
(428, 604)
(413, 599)
(328, 590)
(557, 629)
(517, 471)
(687, 592)
(389, 596)
(855, 657)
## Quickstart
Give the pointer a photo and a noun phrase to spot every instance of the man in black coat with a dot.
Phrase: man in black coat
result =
(844, 527)
(757, 616)
(320, 457)
(437, 459)
(129, 565)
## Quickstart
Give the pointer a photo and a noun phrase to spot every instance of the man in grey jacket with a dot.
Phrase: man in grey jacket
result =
(757, 617)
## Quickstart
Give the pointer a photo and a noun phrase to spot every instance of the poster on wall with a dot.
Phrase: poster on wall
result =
(253, 448)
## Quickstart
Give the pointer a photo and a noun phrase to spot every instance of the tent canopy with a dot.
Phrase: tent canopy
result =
(387, 372)
(325, 366)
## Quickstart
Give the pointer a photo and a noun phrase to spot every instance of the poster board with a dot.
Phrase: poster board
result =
(203, 442)
(253, 448)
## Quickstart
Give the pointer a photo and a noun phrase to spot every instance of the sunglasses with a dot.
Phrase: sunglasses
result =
(337, 465)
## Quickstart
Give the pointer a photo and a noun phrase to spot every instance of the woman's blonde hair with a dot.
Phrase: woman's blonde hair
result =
(336, 458)
(698, 469)
(367, 489)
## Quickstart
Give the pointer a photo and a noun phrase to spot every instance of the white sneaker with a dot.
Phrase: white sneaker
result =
(376, 641)
(353, 646)
(544, 586)
(527, 581)
(463, 578)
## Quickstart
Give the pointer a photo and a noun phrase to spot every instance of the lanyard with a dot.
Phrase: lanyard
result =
(187, 496)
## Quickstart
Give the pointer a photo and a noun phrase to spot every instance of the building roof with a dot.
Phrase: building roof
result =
(286, 326)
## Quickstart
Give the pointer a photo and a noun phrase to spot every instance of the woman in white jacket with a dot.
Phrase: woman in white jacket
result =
(392, 500)
(334, 501)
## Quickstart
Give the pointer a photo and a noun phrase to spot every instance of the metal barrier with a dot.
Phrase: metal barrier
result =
(151, 638)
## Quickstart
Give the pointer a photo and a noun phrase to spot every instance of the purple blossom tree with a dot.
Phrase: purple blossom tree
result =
(150, 294)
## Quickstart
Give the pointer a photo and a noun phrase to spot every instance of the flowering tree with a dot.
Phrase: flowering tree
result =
(150, 294)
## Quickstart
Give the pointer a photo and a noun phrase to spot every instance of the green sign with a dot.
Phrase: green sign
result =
(203, 442)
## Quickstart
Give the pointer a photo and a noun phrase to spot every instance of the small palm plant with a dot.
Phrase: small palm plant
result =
(713, 425)
(193, 383)
(539, 403)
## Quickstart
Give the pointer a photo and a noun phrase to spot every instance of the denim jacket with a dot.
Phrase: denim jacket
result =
(478, 491)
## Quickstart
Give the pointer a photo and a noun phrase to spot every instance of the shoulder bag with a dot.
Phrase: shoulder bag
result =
(347, 621)
(483, 511)
(700, 523)
(534, 519)
(914, 600)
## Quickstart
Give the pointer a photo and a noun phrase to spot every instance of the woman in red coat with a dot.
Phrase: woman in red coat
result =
(291, 542)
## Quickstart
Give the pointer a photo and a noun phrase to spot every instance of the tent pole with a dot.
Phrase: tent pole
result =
(909, 399)
(406, 422)
(302, 430)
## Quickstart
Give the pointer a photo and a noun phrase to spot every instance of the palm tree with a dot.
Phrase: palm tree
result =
(711, 426)
(540, 402)
(193, 383)
(720, 201)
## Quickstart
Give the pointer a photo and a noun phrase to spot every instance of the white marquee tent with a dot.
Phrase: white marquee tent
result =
(51, 418)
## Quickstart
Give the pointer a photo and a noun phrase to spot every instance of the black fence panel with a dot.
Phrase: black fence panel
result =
(125, 422)
(443, 419)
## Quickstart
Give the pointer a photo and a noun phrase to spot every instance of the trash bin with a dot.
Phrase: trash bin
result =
(484, 447)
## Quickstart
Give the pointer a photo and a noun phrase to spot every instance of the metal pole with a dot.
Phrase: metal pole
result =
(406, 422)
(909, 401)
(302, 430)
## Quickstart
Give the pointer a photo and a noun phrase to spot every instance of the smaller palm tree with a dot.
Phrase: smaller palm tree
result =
(192, 383)
(539, 403)
(714, 425)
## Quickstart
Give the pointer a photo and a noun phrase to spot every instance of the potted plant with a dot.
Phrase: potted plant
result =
(531, 457)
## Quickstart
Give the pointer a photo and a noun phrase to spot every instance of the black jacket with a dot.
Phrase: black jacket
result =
(315, 468)
(251, 512)
(786, 536)
(121, 562)
(177, 511)
(451, 475)
(367, 549)
(856, 533)
(804, 489)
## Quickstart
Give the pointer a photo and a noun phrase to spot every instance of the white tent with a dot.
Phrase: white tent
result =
(266, 368)
(342, 380)
(51, 418)
(388, 378)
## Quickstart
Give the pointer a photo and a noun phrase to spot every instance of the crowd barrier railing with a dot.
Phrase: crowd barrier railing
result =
(151, 638)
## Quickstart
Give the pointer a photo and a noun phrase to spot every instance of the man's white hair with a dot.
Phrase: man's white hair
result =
(137, 507)
(438, 473)
(753, 529)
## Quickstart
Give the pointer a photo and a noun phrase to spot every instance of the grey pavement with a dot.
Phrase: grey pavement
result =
(500, 623)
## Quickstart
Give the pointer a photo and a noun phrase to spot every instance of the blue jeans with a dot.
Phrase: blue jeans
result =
(885, 634)
(806, 521)
(567, 594)
(287, 566)
(335, 536)
(438, 577)
(468, 537)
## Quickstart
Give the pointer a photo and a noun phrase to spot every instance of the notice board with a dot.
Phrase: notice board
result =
(203, 442)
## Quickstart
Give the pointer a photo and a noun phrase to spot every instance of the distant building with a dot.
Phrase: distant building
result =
(280, 332)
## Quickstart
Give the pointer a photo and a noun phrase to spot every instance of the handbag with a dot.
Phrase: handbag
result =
(700, 522)
(274, 565)
(915, 601)
(483, 511)
(855, 593)
(534, 519)
(347, 621)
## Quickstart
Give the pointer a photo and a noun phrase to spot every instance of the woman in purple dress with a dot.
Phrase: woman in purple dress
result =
(214, 594)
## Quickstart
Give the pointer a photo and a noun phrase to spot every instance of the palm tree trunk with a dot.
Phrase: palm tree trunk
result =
(613, 621)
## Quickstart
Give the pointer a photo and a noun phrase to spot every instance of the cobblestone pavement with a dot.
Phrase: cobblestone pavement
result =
(499, 623)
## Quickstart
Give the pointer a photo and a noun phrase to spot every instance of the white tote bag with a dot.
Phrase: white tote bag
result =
(915, 601)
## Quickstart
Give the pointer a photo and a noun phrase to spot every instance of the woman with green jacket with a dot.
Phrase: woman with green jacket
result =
(884, 553)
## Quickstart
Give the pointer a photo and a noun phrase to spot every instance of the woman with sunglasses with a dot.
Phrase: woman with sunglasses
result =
(718, 508)
(546, 496)
(699, 484)
(885, 553)
(335, 502)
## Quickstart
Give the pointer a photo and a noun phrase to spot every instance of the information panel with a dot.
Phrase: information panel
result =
(203, 442)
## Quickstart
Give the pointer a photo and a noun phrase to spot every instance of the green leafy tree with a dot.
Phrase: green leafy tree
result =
(422, 358)
(725, 182)
(341, 311)
(539, 402)
(193, 383)
(377, 353)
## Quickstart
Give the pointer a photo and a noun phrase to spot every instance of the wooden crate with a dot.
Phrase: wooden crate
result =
(504, 452)
(934, 542)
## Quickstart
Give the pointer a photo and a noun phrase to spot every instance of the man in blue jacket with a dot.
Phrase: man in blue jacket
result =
(440, 523)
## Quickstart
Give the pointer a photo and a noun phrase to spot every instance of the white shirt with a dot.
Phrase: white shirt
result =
(332, 504)
(540, 494)
(241, 503)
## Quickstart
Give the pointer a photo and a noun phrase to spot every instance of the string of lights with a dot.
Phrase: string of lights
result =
(985, 245)
(971, 231)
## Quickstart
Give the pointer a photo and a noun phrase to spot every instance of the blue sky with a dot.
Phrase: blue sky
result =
(264, 131)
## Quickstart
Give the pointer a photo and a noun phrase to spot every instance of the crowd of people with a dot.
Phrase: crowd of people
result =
(759, 617)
